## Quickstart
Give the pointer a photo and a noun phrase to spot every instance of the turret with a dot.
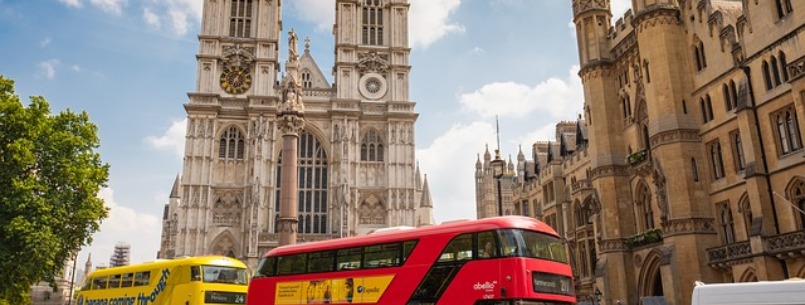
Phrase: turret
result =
(592, 20)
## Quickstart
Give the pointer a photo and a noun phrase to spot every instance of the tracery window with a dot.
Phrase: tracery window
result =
(240, 18)
(372, 147)
(372, 212)
(746, 209)
(372, 22)
(730, 95)
(716, 160)
(312, 177)
(787, 131)
(783, 8)
(698, 53)
(798, 198)
(226, 210)
(231, 146)
(726, 223)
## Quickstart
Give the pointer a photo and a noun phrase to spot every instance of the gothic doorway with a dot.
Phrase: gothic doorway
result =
(651, 281)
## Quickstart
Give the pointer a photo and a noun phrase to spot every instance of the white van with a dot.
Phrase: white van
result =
(788, 292)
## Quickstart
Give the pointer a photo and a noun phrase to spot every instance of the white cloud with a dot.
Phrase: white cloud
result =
(110, 6)
(451, 171)
(560, 98)
(178, 19)
(124, 225)
(429, 21)
(172, 140)
(477, 51)
(48, 68)
(320, 12)
(45, 42)
(619, 8)
(76, 68)
(179, 14)
(71, 3)
(151, 18)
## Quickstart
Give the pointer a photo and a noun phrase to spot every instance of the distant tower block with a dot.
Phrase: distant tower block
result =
(121, 255)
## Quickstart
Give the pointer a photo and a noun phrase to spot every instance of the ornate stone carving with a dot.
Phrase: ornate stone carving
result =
(729, 255)
(237, 55)
(659, 183)
(373, 62)
(688, 226)
(582, 6)
(612, 245)
(786, 245)
(608, 170)
(673, 136)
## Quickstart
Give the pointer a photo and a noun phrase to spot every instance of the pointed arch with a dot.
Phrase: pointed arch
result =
(749, 275)
(231, 142)
(227, 208)
(224, 244)
(312, 175)
(372, 146)
(795, 193)
(372, 211)
(645, 210)
(580, 222)
(745, 209)
(650, 280)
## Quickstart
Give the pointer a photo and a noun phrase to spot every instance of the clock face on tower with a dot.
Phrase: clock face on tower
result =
(236, 80)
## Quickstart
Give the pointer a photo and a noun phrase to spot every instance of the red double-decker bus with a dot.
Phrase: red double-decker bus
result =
(494, 261)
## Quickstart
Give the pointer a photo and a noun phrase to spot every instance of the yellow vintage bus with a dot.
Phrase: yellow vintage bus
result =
(179, 281)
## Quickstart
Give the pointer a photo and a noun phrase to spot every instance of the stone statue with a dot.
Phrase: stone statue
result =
(292, 41)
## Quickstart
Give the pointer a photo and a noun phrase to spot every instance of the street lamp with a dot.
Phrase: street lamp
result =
(597, 296)
(498, 169)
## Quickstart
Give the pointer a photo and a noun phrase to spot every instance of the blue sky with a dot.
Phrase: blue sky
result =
(130, 63)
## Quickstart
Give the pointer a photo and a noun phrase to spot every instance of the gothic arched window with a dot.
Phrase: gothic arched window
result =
(312, 174)
(372, 147)
(306, 80)
(726, 223)
(797, 195)
(231, 145)
(746, 209)
(240, 18)
(372, 22)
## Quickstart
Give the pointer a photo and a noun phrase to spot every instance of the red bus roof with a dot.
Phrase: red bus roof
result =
(504, 222)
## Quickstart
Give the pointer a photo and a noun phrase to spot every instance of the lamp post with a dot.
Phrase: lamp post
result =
(597, 297)
(498, 169)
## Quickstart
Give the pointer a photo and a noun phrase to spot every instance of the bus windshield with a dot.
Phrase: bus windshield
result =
(227, 275)
(532, 244)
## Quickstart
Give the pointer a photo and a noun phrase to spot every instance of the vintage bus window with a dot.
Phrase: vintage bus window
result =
(381, 255)
(266, 267)
(114, 281)
(292, 264)
(349, 259)
(487, 245)
(226, 275)
(459, 249)
(195, 273)
(99, 282)
(408, 246)
(323, 261)
(509, 243)
(544, 246)
(128, 280)
(142, 278)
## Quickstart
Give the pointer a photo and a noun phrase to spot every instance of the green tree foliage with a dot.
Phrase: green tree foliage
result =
(50, 176)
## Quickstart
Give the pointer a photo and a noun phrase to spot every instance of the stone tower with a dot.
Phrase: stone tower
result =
(356, 153)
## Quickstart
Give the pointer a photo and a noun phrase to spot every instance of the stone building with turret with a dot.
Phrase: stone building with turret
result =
(357, 167)
(688, 164)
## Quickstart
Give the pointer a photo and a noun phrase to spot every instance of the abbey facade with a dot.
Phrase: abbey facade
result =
(688, 163)
(356, 155)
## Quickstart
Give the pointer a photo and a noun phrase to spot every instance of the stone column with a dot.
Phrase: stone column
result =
(290, 121)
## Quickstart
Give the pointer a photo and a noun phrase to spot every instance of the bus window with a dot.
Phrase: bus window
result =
(459, 249)
(321, 261)
(99, 282)
(381, 255)
(408, 246)
(266, 267)
(128, 280)
(487, 246)
(142, 278)
(114, 281)
(508, 243)
(349, 259)
(195, 273)
(292, 264)
(226, 275)
(87, 285)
